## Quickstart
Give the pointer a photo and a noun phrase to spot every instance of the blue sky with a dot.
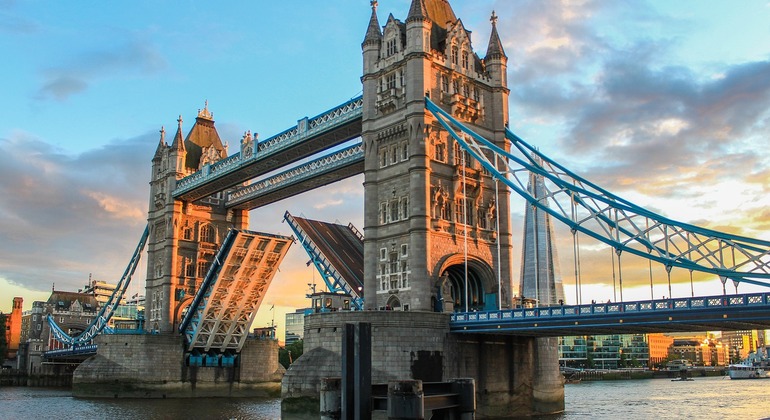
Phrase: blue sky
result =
(664, 103)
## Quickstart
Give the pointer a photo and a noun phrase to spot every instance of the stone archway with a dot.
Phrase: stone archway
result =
(394, 303)
(481, 282)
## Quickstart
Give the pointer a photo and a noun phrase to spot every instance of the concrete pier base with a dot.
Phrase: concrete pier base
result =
(153, 366)
(515, 376)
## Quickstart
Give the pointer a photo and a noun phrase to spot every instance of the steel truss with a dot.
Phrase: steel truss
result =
(235, 285)
(99, 324)
(626, 227)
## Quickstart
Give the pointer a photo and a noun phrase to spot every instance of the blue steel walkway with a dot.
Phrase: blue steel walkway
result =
(710, 313)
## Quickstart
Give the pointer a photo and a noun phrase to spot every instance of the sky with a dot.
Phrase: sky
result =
(666, 104)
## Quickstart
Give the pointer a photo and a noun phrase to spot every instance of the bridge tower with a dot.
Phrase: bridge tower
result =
(427, 204)
(184, 236)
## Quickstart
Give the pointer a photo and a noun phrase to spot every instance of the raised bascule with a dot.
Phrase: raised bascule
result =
(432, 270)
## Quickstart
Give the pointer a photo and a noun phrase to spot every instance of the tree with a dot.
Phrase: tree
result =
(287, 355)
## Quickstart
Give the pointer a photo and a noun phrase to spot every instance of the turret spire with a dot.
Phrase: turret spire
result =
(178, 143)
(417, 11)
(373, 33)
(161, 145)
(495, 47)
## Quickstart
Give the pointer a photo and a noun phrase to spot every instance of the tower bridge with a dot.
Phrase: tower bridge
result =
(430, 136)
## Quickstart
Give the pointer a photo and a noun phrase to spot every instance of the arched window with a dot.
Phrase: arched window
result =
(207, 234)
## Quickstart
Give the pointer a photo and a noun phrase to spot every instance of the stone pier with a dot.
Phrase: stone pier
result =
(153, 366)
(514, 375)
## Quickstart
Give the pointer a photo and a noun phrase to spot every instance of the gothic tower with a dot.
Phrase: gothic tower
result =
(429, 208)
(540, 276)
(184, 237)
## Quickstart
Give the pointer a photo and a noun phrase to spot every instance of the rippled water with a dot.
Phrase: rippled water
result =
(713, 398)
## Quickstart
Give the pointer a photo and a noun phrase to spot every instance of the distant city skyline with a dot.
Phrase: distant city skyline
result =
(663, 103)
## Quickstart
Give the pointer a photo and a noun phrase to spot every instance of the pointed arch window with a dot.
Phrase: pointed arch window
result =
(465, 60)
(207, 233)
(455, 53)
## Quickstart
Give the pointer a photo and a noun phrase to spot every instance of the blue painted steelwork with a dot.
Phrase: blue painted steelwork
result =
(750, 311)
(84, 350)
(306, 128)
(105, 313)
(334, 281)
(589, 209)
(315, 168)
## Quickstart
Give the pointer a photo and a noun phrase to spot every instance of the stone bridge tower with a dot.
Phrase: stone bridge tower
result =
(184, 237)
(427, 204)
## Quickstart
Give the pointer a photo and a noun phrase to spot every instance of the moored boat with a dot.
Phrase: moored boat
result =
(747, 371)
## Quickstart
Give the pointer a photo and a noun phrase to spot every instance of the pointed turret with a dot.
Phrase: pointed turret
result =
(178, 143)
(161, 145)
(417, 11)
(373, 33)
(495, 47)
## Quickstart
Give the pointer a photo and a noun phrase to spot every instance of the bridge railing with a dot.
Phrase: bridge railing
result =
(594, 309)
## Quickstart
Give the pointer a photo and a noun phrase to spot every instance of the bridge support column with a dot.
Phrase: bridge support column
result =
(513, 374)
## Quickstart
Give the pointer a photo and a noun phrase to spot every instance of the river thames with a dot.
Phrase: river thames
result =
(718, 398)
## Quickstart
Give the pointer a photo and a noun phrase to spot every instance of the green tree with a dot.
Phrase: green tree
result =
(287, 355)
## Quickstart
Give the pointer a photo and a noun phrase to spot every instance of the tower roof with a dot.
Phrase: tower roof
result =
(203, 134)
(438, 11)
(373, 33)
(495, 47)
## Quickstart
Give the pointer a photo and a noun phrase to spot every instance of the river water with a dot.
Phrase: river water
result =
(713, 398)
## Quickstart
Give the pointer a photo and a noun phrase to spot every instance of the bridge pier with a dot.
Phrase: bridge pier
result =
(514, 375)
(153, 366)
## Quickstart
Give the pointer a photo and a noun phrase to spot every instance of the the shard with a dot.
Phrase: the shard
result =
(540, 276)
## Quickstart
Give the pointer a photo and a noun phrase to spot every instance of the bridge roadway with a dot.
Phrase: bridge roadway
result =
(710, 313)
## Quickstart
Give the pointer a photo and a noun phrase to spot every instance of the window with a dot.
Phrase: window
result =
(404, 250)
(383, 157)
(475, 93)
(404, 208)
(390, 81)
(394, 154)
(390, 47)
(383, 214)
(466, 90)
(405, 151)
(207, 233)
(394, 211)
(440, 152)
(455, 52)
(187, 233)
(455, 86)
(189, 268)
(202, 268)
(465, 60)
(444, 84)
(383, 252)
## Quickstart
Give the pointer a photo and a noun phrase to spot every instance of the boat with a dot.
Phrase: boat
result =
(747, 371)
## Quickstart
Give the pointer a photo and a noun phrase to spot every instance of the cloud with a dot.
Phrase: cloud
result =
(65, 216)
(131, 59)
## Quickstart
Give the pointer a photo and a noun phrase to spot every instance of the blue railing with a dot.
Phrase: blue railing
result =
(72, 351)
(596, 309)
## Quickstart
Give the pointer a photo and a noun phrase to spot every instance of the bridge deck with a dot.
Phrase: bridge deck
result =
(337, 252)
(712, 313)
(228, 300)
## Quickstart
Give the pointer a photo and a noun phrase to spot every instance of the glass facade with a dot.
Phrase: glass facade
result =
(604, 351)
